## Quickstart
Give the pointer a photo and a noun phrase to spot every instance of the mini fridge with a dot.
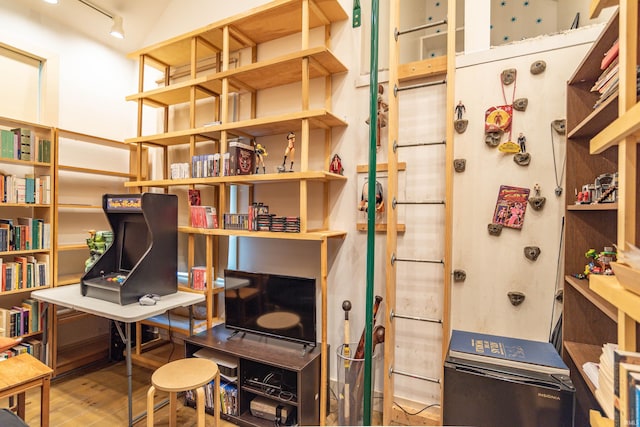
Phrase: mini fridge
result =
(490, 395)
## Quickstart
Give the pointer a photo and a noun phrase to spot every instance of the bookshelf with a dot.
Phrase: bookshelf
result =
(25, 245)
(80, 338)
(599, 141)
(207, 93)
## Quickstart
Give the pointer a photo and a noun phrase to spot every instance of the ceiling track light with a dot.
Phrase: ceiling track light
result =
(51, 1)
(117, 29)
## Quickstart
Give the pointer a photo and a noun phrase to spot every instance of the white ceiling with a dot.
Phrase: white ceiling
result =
(139, 16)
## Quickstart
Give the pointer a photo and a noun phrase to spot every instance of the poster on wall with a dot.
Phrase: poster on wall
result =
(511, 206)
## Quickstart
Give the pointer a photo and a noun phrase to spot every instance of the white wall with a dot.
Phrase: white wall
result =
(86, 81)
(495, 265)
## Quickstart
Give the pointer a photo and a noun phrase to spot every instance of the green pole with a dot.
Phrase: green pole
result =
(371, 212)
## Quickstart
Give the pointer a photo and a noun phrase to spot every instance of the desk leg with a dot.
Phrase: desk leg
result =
(44, 402)
(21, 405)
(129, 371)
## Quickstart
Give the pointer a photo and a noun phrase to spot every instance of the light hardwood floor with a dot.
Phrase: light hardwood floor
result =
(97, 397)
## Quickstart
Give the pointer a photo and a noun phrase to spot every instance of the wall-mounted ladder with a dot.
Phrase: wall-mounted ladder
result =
(417, 76)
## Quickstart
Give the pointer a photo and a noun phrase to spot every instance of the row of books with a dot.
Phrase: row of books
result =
(228, 398)
(608, 81)
(27, 318)
(618, 388)
(32, 347)
(21, 144)
(26, 189)
(24, 272)
(208, 165)
(24, 233)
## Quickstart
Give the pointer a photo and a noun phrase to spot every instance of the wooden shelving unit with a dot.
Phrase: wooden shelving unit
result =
(600, 140)
(14, 210)
(205, 54)
(78, 209)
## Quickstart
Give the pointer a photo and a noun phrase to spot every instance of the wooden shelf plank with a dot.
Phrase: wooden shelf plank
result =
(96, 172)
(582, 353)
(274, 20)
(609, 289)
(624, 126)
(400, 228)
(274, 125)
(431, 67)
(278, 71)
(597, 420)
(583, 287)
(380, 167)
(596, 120)
(311, 235)
(321, 176)
(594, 207)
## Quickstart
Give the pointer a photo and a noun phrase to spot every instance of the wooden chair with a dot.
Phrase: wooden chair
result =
(183, 375)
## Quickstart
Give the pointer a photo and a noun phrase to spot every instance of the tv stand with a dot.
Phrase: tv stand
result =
(273, 369)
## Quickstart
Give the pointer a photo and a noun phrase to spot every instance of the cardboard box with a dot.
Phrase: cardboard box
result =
(242, 157)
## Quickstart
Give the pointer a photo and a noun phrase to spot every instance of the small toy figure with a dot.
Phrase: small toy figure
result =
(521, 142)
(336, 165)
(98, 242)
(600, 262)
(460, 110)
(383, 107)
(261, 153)
(290, 150)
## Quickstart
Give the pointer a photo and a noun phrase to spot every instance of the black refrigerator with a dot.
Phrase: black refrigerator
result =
(489, 395)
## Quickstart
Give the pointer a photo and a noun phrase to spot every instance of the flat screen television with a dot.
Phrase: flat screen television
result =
(271, 304)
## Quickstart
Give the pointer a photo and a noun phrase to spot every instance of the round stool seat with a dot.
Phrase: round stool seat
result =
(184, 374)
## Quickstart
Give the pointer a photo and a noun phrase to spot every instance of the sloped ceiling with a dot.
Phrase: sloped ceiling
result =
(139, 16)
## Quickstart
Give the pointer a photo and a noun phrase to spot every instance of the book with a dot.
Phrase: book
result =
(623, 361)
(610, 55)
(506, 351)
(620, 412)
(633, 382)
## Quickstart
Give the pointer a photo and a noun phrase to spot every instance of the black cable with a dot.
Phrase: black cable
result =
(173, 345)
(415, 413)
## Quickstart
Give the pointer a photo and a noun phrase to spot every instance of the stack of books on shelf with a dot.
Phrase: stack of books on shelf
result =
(21, 144)
(607, 83)
(24, 233)
(32, 347)
(604, 387)
(21, 320)
(24, 272)
(258, 218)
(27, 189)
(618, 390)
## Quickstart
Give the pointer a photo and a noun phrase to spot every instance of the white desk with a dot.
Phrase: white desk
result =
(70, 296)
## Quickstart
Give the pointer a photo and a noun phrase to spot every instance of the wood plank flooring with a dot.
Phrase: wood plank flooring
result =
(97, 397)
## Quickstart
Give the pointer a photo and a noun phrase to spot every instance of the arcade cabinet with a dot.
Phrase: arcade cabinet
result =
(143, 258)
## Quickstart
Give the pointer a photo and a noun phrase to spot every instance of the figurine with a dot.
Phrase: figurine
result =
(336, 165)
(522, 140)
(460, 110)
(383, 107)
(600, 262)
(261, 153)
(290, 150)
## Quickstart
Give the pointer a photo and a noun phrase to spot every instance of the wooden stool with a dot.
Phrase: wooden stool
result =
(182, 375)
